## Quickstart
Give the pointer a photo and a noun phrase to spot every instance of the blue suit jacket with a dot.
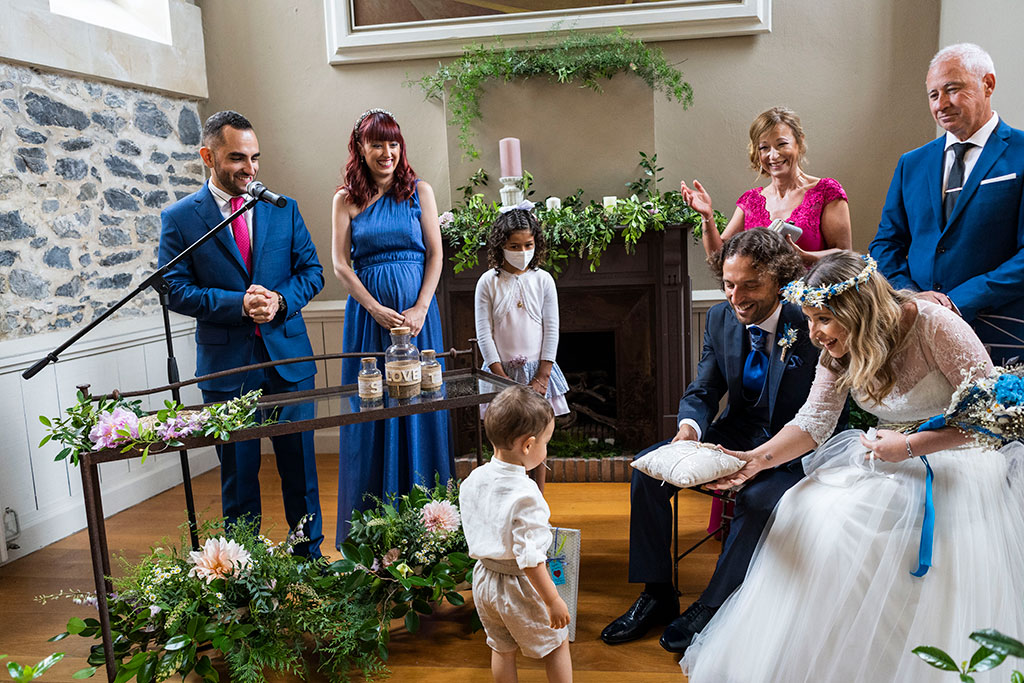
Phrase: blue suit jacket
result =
(721, 370)
(977, 257)
(210, 285)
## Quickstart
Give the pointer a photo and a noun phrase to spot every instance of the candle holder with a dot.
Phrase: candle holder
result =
(511, 192)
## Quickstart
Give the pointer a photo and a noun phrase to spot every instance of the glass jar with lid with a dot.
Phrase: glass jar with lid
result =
(371, 384)
(430, 372)
(402, 365)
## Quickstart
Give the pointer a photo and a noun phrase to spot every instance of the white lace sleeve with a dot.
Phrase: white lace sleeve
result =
(820, 412)
(954, 348)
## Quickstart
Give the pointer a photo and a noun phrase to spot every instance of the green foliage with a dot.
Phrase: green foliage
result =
(567, 445)
(137, 430)
(994, 648)
(261, 615)
(575, 229)
(25, 673)
(409, 565)
(861, 419)
(584, 58)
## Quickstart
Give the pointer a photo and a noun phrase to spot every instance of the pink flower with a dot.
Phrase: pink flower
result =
(440, 515)
(105, 433)
(219, 559)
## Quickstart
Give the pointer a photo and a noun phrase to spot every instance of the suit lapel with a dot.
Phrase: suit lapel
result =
(260, 230)
(777, 365)
(206, 207)
(936, 160)
(735, 343)
(990, 153)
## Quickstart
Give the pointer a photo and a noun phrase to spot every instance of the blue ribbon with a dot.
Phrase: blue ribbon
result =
(924, 553)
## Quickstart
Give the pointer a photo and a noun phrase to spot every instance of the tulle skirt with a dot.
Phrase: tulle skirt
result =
(829, 596)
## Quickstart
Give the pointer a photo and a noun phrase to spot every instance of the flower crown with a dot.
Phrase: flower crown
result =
(370, 112)
(797, 292)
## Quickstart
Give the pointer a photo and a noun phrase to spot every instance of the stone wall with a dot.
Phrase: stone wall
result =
(85, 169)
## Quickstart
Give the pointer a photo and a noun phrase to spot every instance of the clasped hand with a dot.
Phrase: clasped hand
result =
(887, 445)
(260, 304)
(412, 318)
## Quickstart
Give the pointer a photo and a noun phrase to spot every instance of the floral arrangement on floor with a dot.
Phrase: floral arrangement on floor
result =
(244, 596)
(989, 408)
(574, 229)
(414, 551)
(97, 424)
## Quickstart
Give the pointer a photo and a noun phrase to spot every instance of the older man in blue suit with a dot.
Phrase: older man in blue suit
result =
(953, 223)
(246, 288)
(766, 383)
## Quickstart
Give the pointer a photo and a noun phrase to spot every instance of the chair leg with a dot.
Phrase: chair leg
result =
(720, 532)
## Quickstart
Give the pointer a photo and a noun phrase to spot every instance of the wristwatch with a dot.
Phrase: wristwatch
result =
(282, 305)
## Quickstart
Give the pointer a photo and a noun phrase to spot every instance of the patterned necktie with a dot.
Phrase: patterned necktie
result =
(956, 179)
(755, 369)
(241, 230)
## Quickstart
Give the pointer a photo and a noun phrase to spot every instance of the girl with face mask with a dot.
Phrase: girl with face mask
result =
(517, 311)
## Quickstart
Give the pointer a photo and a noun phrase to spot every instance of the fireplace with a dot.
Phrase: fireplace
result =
(624, 337)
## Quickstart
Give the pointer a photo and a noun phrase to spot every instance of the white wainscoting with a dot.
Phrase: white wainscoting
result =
(122, 354)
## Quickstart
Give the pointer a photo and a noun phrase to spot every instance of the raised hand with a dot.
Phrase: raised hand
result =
(698, 199)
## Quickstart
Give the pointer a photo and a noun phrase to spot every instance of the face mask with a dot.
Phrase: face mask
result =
(518, 259)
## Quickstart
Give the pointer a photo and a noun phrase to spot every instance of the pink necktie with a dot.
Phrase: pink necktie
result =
(241, 230)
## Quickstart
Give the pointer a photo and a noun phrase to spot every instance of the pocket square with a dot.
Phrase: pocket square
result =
(794, 361)
(1008, 176)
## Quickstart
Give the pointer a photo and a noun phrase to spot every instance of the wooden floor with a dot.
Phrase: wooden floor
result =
(444, 650)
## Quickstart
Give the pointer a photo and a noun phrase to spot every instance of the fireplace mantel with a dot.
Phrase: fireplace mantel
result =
(649, 288)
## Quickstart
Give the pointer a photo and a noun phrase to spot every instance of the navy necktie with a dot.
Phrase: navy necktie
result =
(955, 181)
(755, 369)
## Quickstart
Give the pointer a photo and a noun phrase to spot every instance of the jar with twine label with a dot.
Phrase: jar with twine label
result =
(402, 365)
(371, 383)
(430, 372)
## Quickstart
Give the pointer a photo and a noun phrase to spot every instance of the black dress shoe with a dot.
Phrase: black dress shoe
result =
(646, 612)
(679, 634)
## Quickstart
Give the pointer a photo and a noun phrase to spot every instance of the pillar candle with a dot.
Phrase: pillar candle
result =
(553, 203)
(510, 158)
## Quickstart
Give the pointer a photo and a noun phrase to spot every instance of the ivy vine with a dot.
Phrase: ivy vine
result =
(584, 58)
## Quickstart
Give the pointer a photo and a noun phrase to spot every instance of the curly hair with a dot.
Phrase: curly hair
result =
(871, 314)
(765, 122)
(377, 127)
(503, 227)
(768, 250)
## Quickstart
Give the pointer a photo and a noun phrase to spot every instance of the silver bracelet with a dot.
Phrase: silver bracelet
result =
(910, 453)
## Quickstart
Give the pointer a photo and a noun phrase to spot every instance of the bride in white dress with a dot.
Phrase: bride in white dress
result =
(829, 596)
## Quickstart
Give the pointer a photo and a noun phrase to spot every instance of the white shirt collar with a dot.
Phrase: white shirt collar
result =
(771, 323)
(508, 466)
(222, 197)
(980, 136)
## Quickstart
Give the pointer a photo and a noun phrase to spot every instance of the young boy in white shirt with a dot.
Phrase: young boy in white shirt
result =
(505, 519)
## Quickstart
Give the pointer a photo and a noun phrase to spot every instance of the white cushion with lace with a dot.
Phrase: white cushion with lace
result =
(687, 463)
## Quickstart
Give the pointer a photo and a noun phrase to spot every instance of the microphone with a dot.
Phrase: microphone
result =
(259, 191)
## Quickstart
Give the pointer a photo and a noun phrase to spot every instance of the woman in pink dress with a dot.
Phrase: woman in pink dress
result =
(818, 206)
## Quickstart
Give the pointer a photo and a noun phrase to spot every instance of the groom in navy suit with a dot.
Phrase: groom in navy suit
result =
(246, 288)
(953, 223)
(766, 382)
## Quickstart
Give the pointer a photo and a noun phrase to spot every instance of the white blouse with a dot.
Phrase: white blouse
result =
(498, 292)
(504, 515)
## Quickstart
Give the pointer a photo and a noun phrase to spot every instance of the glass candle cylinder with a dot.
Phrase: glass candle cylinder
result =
(402, 365)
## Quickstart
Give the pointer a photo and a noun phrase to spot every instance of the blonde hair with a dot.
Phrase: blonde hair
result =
(871, 313)
(516, 412)
(764, 123)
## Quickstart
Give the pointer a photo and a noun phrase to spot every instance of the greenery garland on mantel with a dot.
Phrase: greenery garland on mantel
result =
(584, 58)
(574, 229)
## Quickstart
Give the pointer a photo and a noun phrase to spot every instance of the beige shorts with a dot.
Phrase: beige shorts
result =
(513, 613)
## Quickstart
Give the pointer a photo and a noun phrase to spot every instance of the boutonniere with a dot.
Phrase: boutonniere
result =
(787, 337)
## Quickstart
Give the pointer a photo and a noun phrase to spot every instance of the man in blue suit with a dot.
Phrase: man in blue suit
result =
(953, 223)
(766, 383)
(246, 288)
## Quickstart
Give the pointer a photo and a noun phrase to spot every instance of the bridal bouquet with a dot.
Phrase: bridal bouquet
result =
(414, 550)
(241, 596)
(989, 408)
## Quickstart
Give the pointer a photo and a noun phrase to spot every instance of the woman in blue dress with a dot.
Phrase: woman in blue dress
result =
(387, 253)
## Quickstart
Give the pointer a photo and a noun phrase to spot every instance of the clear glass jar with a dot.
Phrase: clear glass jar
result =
(402, 365)
(371, 383)
(430, 372)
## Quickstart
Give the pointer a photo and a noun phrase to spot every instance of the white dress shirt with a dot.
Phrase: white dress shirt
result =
(979, 139)
(769, 325)
(223, 200)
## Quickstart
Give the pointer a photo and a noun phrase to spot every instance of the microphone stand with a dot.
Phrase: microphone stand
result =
(160, 286)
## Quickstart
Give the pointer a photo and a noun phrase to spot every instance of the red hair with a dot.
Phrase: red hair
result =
(377, 127)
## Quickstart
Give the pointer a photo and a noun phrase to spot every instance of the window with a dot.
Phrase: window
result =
(149, 19)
